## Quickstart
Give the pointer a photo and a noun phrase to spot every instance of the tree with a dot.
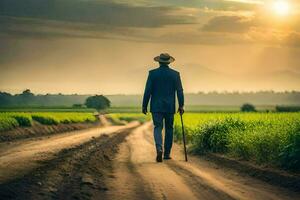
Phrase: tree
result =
(248, 108)
(99, 102)
(27, 92)
(6, 99)
(26, 98)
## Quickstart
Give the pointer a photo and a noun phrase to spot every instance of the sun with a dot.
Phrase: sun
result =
(281, 7)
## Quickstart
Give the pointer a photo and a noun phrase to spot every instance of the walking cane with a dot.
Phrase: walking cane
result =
(183, 137)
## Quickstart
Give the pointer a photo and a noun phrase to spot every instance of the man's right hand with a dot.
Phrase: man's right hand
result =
(144, 110)
(181, 110)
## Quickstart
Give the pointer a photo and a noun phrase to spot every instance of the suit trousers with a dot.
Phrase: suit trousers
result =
(159, 120)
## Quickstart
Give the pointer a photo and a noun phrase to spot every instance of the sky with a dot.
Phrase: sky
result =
(108, 46)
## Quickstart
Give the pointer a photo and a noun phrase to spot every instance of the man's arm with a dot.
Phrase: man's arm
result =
(180, 95)
(147, 94)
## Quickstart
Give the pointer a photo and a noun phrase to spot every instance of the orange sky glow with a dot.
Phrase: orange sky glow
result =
(105, 46)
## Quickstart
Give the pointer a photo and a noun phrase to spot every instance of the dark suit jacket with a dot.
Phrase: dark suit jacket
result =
(161, 86)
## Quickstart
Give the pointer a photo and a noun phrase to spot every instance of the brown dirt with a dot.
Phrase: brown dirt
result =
(76, 173)
(268, 174)
(138, 176)
(121, 165)
(19, 157)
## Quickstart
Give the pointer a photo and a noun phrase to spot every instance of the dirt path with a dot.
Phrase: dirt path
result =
(121, 165)
(19, 157)
(137, 176)
(104, 120)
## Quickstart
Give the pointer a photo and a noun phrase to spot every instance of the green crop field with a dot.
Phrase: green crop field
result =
(10, 120)
(193, 109)
(46, 109)
(265, 138)
(128, 117)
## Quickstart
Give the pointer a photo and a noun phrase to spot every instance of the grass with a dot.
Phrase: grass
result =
(64, 118)
(46, 109)
(7, 123)
(193, 108)
(128, 117)
(10, 120)
(134, 109)
(265, 138)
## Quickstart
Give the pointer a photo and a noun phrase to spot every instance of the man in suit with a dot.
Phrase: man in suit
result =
(162, 85)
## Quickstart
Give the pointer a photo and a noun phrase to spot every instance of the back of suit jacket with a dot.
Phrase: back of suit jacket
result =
(162, 85)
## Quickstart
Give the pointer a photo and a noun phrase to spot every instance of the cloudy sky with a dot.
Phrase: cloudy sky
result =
(107, 46)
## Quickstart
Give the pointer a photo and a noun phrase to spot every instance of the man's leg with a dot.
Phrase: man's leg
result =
(169, 120)
(158, 126)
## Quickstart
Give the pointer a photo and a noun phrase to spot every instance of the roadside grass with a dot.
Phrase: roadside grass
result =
(7, 123)
(264, 138)
(128, 117)
(64, 118)
(46, 109)
(271, 139)
(10, 120)
(193, 109)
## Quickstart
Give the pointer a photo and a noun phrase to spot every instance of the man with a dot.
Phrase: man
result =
(162, 85)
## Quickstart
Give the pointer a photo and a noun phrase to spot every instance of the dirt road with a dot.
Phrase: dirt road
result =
(137, 176)
(17, 158)
(121, 165)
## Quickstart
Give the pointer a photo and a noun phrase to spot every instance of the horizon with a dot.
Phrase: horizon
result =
(93, 46)
(139, 94)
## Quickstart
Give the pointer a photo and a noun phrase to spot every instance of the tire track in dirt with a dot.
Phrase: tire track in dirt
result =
(18, 158)
(76, 173)
(200, 186)
(175, 179)
(126, 182)
(121, 165)
(138, 176)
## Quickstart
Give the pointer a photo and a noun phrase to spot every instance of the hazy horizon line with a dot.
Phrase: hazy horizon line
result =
(138, 94)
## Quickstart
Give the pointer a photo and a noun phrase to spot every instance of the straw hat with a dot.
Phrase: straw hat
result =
(164, 58)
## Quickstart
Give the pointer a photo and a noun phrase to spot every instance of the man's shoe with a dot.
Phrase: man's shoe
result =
(167, 157)
(159, 156)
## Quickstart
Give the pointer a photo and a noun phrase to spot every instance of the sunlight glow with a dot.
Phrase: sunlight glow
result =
(281, 7)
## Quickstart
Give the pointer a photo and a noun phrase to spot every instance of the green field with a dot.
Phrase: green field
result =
(10, 120)
(193, 108)
(47, 109)
(117, 118)
(265, 138)
(134, 109)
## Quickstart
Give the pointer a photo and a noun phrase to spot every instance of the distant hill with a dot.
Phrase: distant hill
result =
(228, 99)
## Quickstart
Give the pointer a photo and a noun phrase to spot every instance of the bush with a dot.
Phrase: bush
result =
(248, 108)
(287, 108)
(214, 136)
(265, 138)
(23, 120)
(45, 120)
(290, 155)
(7, 123)
(240, 146)
(99, 102)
